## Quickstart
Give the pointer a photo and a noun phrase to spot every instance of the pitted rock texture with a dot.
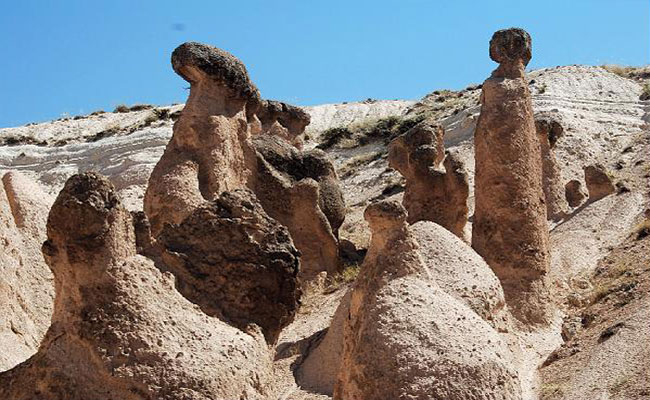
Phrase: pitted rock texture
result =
(26, 286)
(224, 142)
(120, 329)
(301, 190)
(401, 321)
(510, 229)
(283, 120)
(208, 152)
(512, 50)
(599, 183)
(435, 191)
(575, 193)
(235, 262)
(192, 58)
(549, 131)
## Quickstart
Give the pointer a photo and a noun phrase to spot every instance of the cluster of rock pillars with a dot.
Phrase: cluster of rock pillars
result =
(186, 299)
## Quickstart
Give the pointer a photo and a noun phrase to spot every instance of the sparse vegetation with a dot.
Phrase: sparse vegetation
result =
(351, 166)
(140, 107)
(384, 129)
(642, 230)
(121, 108)
(645, 93)
(542, 88)
(619, 70)
(551, 390)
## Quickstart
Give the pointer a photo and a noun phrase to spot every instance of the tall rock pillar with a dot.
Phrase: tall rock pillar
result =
(510, 229)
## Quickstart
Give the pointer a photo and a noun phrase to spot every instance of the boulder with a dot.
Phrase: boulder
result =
(235, 262)
(599, 182)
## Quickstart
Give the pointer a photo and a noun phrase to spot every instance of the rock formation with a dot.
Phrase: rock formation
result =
(406, 338)
(26, 287)
(227, 138)
(574, 192)
(599, 183)
(549, 130)
(510, 229)
(282, 120)
(235, 262)
(433, 193)
(120, 329)
(451, 264)
(208, 152)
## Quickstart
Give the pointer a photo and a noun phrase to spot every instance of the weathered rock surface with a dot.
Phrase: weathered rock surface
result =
(549, 130)
(26, 289)
(574, 192)
(434, 191)
(227, 138)
(283, 120)
(235, 262)
(301, 190)
(120, 329)
(401, 321)
(208, 153)
(599, 183)
(510, 229)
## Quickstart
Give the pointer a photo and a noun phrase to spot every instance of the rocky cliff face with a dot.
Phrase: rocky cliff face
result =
(146, 325)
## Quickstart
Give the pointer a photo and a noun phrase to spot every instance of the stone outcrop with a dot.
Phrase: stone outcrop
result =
(283, 120)
(235, 262)
(599, 183)
(435, 190)
(510, 229)
(208, 152)
(575, 193)
(406, 338)
(549, 130)
(26, 286)
(301, 190)
(451, 264)
(120, 329)
(227, 138)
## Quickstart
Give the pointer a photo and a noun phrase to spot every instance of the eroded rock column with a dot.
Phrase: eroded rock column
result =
(549, 130)
(120, 328)
(510, 228)
(405, 338)
(435, 190)
(208, 152)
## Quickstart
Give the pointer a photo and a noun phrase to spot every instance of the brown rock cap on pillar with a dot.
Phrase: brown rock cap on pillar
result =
(510, 229)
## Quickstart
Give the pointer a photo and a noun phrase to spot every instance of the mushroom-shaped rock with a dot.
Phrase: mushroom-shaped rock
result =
(120, 329)
(26, 286)
(599, 183)
(301, 190)
(235, 262)
(433, 193)
(575, 193)
(549, 130)
(450, 352)
(512, 49)
(197, 62)
(510, 228)
(209, 152)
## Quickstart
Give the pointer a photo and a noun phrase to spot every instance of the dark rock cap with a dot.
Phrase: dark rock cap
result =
(389, 210)
(216, 63)
(510, 45)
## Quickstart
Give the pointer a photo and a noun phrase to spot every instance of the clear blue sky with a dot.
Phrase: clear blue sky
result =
(75, 57)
